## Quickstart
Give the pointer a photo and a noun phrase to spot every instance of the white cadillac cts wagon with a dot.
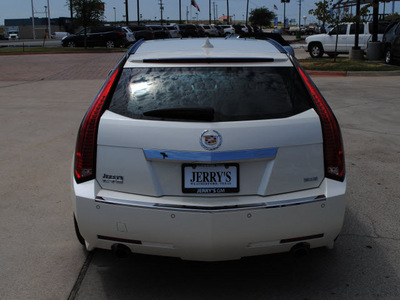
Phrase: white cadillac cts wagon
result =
(208, 150)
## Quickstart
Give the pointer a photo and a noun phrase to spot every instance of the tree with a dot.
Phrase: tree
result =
(87, 13)
(392, 17)
(322, 12)
(261, 16)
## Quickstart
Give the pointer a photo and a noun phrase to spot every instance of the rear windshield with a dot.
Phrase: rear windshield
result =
(228, 93)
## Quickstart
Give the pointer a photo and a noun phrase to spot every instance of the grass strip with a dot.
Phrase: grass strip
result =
(345, 64)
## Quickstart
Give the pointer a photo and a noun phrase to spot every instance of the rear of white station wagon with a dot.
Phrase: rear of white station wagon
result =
(208, 151)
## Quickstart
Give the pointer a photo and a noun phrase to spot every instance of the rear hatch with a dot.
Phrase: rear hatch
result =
(208, 131)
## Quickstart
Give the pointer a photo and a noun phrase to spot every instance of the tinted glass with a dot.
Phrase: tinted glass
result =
(233, 93)
(360, 28)
(381, 27)
(340, 29)
(397, 31)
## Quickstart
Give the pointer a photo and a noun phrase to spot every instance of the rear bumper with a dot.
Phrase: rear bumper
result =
(213, 233)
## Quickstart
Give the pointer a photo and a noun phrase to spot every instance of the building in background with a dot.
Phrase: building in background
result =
(41, 26)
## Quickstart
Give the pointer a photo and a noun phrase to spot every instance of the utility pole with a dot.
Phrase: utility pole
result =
(227, 8)
(209, 11)
(45, 11)
(126, 13)
(138, 13)
(187, 15)
(48, 17)
(214, 10)
(284, 14)
(247, 11)
(299, 12)
(180, 12)
(161, 10)
(33, 21)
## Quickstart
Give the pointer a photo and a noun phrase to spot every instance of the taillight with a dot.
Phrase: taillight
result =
(85, 151)
(333, 144)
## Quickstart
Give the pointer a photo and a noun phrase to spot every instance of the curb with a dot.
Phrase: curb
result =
(327, 73)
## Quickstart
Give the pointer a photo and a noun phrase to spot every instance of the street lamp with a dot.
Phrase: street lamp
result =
(115, 15)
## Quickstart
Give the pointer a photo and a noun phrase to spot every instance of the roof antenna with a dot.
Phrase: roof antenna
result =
(207, 44)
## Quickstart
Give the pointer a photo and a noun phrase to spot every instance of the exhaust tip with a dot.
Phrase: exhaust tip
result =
(120, 250)
(300, 249)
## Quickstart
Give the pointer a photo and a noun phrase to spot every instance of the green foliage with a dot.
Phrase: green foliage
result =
(392, 17)
(322, 11)
(261, 16)
(87, 12)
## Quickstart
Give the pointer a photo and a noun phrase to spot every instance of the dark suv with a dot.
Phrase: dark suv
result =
(99, 36)
(391, 42)
(142, 32)
(188, 30)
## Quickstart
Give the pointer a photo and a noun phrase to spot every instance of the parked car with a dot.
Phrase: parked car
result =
(228, 29)
(209, 31)
(200, 31)
(319, 44)
(100, 36)
(173, 31)
(391, 42)
(208, 157)
(219, 29)
(187, 30)
(130, 36)
(160, 32)
(240, 28)
(142, 32)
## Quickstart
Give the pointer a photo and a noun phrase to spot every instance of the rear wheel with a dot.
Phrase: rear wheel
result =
(316, 50)
(388, 56)
(110, 44)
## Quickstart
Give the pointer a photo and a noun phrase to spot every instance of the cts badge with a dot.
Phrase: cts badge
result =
(210, 139)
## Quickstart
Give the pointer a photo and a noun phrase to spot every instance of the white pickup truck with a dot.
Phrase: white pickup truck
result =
(319, 44)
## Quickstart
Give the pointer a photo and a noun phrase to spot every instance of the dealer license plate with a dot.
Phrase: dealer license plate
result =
(210, 179)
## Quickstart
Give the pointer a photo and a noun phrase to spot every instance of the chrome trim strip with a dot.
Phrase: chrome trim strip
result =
(152, 154)
(203, 209)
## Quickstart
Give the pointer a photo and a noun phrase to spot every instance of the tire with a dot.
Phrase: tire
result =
(78, 234)
(316, 50)
(388, 57)
(71, 44)
(110, 44)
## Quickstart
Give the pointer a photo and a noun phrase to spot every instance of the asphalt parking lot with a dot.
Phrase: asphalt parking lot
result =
(43, 99)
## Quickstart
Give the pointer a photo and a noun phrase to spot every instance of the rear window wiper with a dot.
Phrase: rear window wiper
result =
(184, 113)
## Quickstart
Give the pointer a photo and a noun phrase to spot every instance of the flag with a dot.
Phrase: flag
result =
(193, 2)
(275, 7)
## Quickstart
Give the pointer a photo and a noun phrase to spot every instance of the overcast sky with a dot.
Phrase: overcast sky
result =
(150, 9)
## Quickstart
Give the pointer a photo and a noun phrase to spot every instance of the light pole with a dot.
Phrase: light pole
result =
(33, 21)
(227, 10)
(115, 15)
(48, 18)
(126, 13)
(139, 16)
(45, 11)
